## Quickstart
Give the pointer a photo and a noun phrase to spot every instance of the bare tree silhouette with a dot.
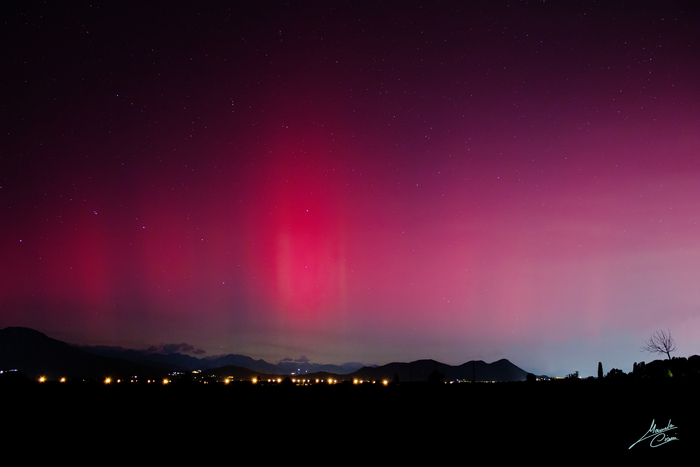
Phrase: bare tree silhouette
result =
(660, 342)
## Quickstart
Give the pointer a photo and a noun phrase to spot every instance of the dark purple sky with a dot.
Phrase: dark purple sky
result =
(354, 181)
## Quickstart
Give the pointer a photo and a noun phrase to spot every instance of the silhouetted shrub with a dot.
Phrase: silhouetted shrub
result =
(287, 382)
(694, 366)
(639, 370)
(615, 374)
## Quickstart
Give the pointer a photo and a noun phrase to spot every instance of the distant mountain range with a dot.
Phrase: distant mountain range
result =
(180, 362)
(420, 370)
(35, 354)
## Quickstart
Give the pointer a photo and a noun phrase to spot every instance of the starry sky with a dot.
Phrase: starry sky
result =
(366, 181)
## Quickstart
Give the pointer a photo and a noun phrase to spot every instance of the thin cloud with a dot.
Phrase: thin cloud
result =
(175, 348)
(302, 359)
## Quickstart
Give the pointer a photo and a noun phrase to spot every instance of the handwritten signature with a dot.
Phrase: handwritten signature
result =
(658, 435)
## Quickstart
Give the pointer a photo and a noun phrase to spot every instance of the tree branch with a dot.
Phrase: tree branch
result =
(660, 342)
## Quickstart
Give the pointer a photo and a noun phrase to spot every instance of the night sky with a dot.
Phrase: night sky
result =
(354, 181)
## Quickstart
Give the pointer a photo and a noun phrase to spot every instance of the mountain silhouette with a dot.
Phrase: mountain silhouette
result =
(502, 370)
(34, 354)
(180, 362)
(232, 371)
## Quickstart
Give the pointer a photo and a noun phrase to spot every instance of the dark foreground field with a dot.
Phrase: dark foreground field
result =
(546, 421)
